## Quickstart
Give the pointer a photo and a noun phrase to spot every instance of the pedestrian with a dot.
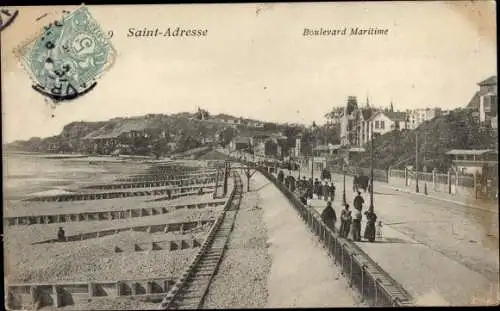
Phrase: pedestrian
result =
(379, 230)
(332, 192)
(356, 225)
(326, 191)
(371, 219)
(345, 221)
(329, 216)
(287, 181)
(317, 187)
(61, 234)
(280, 176)
(359, 201)
(355, 183)
(303, 199)
(292, 183)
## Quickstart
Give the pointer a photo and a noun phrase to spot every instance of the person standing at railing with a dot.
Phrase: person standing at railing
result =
(356, 222)
(287, 182)
(281, 175)
(329, 216)
(292, 183)
(332, 191)
(310, 188)
(371, 219)
(345, 224)
(326, 191)
(317, 188)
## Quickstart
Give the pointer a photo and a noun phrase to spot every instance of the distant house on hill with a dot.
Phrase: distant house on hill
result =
(484, 103)
(240, 143)
(384, 122)
(420, 115)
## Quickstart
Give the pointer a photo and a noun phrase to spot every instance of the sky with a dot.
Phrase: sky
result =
(256, 63)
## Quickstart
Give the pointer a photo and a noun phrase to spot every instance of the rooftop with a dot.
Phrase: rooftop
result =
(490, 81)
(469, 151)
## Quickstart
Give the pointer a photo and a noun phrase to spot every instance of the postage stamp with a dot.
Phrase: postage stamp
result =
(66, 59)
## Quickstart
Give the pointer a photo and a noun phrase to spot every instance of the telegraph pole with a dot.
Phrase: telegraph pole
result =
(416, 161)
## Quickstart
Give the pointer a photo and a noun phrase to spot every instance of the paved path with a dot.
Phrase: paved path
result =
(442, 253)
(302, 274)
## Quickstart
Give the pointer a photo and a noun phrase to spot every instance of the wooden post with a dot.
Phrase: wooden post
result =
(406, 177)
(475, 184)
(449, 181)
(434, 179)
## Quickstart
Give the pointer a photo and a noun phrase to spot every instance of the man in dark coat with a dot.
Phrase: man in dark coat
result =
(332, 191)
(317, 188)
(292, 183)
(281, 175)
(358, 201)
(311, 187)
(326, 191)
(371, 219)
(329, 216)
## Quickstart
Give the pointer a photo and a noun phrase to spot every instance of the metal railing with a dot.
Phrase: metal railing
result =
(375, 285)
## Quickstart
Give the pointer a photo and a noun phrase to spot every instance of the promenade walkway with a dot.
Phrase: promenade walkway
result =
(442, 253)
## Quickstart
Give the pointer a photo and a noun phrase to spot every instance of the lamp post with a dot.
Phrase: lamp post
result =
(312, 151)
(371, 170)
(344, 201)
(416, 162)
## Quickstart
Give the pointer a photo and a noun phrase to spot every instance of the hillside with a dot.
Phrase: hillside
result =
(458, 130)
(185, 129)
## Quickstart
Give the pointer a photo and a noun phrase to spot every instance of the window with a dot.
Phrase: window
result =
(487, 103)
(382, 124)
(376, 124)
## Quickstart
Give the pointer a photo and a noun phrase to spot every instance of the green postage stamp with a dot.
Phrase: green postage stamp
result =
(67, 58)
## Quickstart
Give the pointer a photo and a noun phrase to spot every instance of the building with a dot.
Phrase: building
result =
(474, 161)
(240, 143)
(384, 122)
(348, 120)
(484, 103)
(419, 116)
(363, 125)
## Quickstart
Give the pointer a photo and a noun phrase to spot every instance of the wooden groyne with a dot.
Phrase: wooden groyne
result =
(178, 191)
(154, 183)
(103, 215)
(159, 246)
(33, 296)
(180, 227)
(164, 176)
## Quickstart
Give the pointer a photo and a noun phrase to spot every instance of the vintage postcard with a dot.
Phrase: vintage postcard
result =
(259, 155)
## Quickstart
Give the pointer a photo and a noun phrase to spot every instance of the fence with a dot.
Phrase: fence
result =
(455, 184)
(380, 175)
(375, 285)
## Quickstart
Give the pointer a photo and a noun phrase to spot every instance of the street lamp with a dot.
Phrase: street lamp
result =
(371, 170)
(312, 152)
(416, 162)
(344, 201)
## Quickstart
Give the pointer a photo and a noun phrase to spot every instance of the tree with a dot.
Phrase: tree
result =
(226, 135)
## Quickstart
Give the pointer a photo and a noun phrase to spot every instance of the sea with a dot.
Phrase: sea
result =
(41, 174)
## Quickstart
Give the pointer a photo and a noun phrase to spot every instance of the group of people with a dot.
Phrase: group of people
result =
(349, 223)
(307, 188)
